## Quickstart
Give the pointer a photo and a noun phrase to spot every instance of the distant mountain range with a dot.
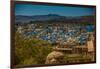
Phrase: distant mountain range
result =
(22, 18)
(26, 19)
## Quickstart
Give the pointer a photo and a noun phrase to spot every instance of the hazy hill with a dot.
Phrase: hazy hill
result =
(53, 17)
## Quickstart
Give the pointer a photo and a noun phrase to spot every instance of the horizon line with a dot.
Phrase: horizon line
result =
(55, 14)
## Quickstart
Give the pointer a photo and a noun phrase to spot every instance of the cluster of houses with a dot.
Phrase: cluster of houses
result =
(55, 32)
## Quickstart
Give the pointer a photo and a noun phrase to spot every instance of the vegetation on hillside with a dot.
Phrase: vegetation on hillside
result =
(30, 51)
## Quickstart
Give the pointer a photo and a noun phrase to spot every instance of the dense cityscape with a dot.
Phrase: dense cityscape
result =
(57, 32)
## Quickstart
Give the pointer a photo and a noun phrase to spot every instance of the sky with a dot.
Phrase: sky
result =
(31, 9)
